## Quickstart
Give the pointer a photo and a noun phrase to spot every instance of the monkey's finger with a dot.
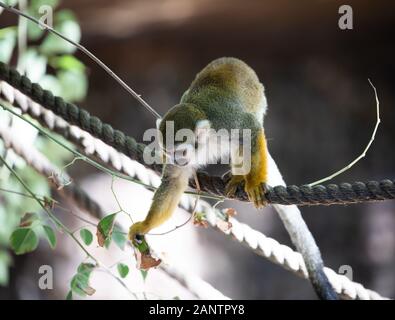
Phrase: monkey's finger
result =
(250, 196)
(258, 200)
(264, 189)
(253, 197)
(230, 190)
(260, 196)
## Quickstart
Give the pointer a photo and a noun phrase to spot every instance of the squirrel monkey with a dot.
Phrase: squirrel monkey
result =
(225, 95)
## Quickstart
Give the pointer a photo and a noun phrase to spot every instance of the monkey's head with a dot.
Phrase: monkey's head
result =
(184, 132)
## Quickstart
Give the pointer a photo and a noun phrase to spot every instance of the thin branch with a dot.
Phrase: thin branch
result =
(363, 154)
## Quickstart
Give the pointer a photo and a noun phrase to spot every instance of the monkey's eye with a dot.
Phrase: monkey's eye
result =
(182, 153)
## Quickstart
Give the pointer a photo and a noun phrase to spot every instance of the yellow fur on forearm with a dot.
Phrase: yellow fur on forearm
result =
(259, 170)
(165, 201)
(163, 209)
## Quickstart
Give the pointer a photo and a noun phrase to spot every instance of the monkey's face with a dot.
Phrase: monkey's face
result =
(186, 147)
(183, 135)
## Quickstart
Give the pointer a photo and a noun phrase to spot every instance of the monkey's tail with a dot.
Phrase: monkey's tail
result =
(321, 284)
(305, 244)
(315, 265)
(302, 239)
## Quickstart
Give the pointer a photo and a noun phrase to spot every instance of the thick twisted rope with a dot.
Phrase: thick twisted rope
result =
(345, 193)
(293, 261)
(200, 288)
(256, 241)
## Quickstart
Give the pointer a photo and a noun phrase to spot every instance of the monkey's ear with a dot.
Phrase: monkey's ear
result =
(158, 121)
(202, 130)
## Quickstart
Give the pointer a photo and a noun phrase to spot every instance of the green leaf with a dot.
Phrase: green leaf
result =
(36, 4)
(142, 246)
(34, 64)
(86, 268)
(67, 62)
(119, 239)
(66, 24)
(34, 32)
(10, 2)
(144, 274)
(105, 228)
(28, 219)
(5, 261)
(107, 242)
(7, 43)
(51, 83)
(80, 282)
(86, 236)
(23, 240)
(50, 235)
(123, 270)
(74, 84)
(69, 295)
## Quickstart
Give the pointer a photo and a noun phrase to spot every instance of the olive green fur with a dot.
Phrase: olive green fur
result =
(226, 92)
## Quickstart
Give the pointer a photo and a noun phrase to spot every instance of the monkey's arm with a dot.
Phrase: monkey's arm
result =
(165, 201)
(257, 177)
(255, 174)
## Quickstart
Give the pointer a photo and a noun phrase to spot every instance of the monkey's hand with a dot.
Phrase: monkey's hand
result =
(255, 180)
(136, 232)
(234, 182)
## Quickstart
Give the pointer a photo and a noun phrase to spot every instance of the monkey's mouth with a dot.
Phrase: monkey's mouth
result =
(188, 161)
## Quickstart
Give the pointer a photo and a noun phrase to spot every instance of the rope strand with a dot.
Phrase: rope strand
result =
(344, 193)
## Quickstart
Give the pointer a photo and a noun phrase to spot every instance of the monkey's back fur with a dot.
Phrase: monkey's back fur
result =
(228, 81)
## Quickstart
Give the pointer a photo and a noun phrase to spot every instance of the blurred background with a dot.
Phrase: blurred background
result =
(321, 116)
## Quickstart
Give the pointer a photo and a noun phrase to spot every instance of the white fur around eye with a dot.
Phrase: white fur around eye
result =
(184, 154)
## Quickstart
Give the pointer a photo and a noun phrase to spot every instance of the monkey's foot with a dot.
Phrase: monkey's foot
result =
(255, 189)
(256, 192)
(232, 185)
